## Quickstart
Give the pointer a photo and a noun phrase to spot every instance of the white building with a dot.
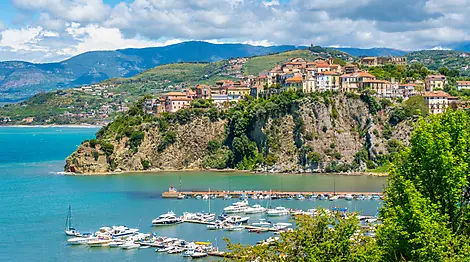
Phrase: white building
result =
(437, 101)
(463, 85)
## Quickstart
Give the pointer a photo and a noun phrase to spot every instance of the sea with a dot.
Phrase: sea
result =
(35, 196)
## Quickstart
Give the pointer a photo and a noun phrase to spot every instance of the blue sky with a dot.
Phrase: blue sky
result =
(52, 30)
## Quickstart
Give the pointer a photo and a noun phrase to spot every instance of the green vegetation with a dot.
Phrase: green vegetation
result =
(437, 59)
(413, 107)
(425, 215)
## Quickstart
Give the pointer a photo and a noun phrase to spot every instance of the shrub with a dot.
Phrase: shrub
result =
(92, 143)
(136, 139)
(107, 148)
(314, 157)
(96, 155)
(271, 159)
(213, 146)
(324, 129)
(145, 164)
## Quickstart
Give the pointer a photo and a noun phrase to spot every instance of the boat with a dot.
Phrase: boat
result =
(181, 197)
(314, 196)
(236, 220)
(205, 197)
(165, 249)
(238, 227)
(69, 229)
(199, 255)
(144, 247)
(262, 223)
(349, 197)
(256, 209)
(282, 226)
(99, 243)
(217, 226)
(121, 231)
(334, 198)
(175, 250)
(116, 243)
(189, 252)
(198, 197)
(129, 245)
(237, 207)
(166, 219)
(300, 197)
(81, 240)
(278, 211)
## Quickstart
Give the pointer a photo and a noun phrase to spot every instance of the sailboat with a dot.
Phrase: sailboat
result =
(69, 229)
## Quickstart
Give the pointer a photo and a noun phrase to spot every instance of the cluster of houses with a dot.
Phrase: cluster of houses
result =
(308, 77)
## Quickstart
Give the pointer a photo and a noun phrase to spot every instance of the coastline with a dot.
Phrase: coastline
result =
(52, 126)
(156, 171)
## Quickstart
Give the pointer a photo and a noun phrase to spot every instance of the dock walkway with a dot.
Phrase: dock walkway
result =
(248, 193)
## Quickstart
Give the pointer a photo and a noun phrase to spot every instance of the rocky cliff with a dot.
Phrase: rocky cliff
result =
(317, 133)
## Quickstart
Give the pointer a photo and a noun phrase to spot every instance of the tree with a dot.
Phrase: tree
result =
(326, 237)
(426, 214)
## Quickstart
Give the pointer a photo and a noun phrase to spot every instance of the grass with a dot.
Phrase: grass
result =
(385, 168)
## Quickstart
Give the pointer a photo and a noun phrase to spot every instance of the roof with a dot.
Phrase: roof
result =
(359, 74)
(329, 73)
(438, 77)
(175, 94)
(436, 94)
(408, 85)
(463, 83)
(294, 79)
(377, 81)
(324, 64)
(180, 99)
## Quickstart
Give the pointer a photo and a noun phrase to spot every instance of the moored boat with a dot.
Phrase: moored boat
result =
(256, 209)
(279, 211)
(166, 219)
(237, 207)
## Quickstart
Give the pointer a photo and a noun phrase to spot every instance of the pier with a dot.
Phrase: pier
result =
(271, 229)
(173, 193)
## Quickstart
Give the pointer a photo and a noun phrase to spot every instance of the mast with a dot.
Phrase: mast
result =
(334, 185)
(209, 200)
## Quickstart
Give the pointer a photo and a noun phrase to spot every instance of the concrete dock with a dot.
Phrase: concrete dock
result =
(278, 194)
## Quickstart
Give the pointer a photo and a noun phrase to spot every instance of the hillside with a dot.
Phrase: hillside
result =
(286, 133)
(435, 59)
(19, 80)
(55, 107)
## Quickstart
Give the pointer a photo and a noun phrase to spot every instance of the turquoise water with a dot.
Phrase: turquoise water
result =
(34, 199)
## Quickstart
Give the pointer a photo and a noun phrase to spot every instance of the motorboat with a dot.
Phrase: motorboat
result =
(262, 223)
(256, 209)
(333, 198)
(175, 250)
(166, 219)
(181, 197)
(243, 197)
(130, 245)
(189, 252)
(237, 207)
(278, 211)
(216, 226)
(116, 243)
(99, 243)
(282, 226)
(314, 196)
(236, 220)
(199, 255)
(81, 240)
(238, 227)
(227, 197)
(165, 249)
(349, 197)
(300, 197)
(69, 229)
(121, 231)
(205, 197)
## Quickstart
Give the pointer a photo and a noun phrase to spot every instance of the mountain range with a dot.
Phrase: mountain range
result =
(20, 80)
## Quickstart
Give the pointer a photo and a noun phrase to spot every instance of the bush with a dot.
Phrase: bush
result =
(213, 146)
(96, 155)
(324, 129)
(92, 143)
(308, 136)
(220, 159)
(168, 139)
(314, 157)
(145, 164)
(107, 148)
(271, 159)
(136, 139)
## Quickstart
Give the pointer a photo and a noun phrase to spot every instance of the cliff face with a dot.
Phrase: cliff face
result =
(316, 134)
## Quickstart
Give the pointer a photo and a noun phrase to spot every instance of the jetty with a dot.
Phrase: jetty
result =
(173, 193)
(271, 229)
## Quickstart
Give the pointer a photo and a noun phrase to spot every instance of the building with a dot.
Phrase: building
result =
(375, 61)
(369, 61)
(328, 81)
(382, 88)
(463, 85)
(433, 82)
(437, 101)
(295, 83)
(407, 90)
(173, 104)
(309, 85)
(203, 91)
(350, 68)
(354, 82)
(223, 100)
(154, 106)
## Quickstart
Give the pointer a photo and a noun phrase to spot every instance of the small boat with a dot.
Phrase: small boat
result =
(188, 253)
(333, 198)
(116, 243)
(256, 209)
(278, 211)
(199, 255)
(166, 219)
(129, 245)
(243, 197)
(121, 231)
(314, 196)
(69, 229)
(217, 226)
(234, 228)
(181, 197)
(254, 197)
(300, 197)
(236, 220)
(262, 223)
(282, 226)
(144, 247)
(205, 197)
(198, 197)
(289, 198)
(165, 249)
(323, 197)
(175, 250)
(349, 197)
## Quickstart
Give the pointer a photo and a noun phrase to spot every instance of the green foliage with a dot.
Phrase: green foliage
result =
(371, 102)
(96, 155)
(314, 240)
(414, 106)
(219, 159)
(213, 146)
(314, 157)
(145, 164)
(106, 147)
(271, 159)
(168, 138)
(92, 143)
(426, 212)
(202, 103)
(136, 139)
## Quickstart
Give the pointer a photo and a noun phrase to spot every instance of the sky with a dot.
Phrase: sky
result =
(53, 30)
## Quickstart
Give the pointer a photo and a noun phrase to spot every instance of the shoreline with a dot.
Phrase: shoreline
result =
(52, 126)
(156, 171)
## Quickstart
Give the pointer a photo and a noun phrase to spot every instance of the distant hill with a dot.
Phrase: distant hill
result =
(20, 80)
(435, 59)
(372, 51)
(462, 46)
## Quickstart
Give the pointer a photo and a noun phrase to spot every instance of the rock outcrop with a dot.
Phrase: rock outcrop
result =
(318, 134)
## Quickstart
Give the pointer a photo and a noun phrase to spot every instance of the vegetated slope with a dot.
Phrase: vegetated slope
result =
(19, 80)
(372, 51)
(435, 59)
(286, 133)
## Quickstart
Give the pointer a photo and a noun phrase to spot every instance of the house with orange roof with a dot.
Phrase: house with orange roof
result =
(407, 90)
(328, 81)
(309, 84)
(437, 101)
(203, 91)
(175, 103)
(382, 88)
(295, 82)
(433, 82)
(353, 82)
(463, 85)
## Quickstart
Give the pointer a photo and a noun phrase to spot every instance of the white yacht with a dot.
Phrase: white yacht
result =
(166, 219)
(99, 243)
(256, 209)
(234, 228)
(121, 231)
(349, 197)
(116, 243)
(237, 207)
(282, 226)
(236, 219)
(130, 245)
(262, 223)
(278, 211)
(81, 240)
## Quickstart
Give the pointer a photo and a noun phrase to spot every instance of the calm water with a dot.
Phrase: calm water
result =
(34, 199)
